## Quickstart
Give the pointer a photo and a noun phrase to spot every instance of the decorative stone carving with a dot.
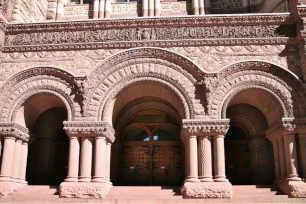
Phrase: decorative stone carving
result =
(82, 92)
(205, 127)
(6, 188)
(89, 129)
(14, 130)
(84, 190)
(297, 189)
(207, 190)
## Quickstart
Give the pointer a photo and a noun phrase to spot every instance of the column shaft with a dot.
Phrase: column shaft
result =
(73, 163)
(96, 9)
(157, 7)
(201, 7)
(60, 10)
(23, 162)
(195, 7)
(16, 162)
(205, 159)
(193, 159)
(99, 160)
(219, 159)
(86, 160)
(108, 161)
(101, 8)
(282, 162)
(302, 148)
(7, 159)
(145, 8)
(291, 158)
(207, 6)
(276, 160)
(151, 7)
(108, 8)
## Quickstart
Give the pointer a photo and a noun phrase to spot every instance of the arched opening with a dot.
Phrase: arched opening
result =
(43, 115)
(248, 153)
(148, 149)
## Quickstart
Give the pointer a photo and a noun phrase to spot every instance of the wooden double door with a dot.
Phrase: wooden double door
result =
(157, 163)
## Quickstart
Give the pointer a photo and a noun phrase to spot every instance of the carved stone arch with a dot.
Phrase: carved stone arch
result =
(37, 80)
(140, 64)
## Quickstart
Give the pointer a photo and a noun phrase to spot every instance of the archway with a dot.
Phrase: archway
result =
(43, 114)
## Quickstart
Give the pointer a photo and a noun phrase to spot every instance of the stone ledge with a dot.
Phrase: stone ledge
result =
(207, 190)
(6, 188)
(84, 190)
(297, 189)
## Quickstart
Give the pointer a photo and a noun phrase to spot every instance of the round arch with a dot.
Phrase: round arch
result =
(150, 65)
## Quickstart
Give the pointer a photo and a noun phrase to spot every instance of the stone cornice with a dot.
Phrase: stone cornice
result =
(152, 32)
(205, 127)
(14, 130)
(89, 129)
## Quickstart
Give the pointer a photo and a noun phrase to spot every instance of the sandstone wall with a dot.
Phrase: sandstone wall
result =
(30, 10)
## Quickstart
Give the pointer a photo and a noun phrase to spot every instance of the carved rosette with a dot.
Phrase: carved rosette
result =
(205, 127)
(14, 130)
(90, 129)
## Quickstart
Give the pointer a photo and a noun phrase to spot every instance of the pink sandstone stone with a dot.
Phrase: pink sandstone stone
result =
(207, 190)
(6, 188)
(297, 189)
(84, 190)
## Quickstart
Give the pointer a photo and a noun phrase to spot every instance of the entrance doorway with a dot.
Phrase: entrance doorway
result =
(237, 159)
(151, 150)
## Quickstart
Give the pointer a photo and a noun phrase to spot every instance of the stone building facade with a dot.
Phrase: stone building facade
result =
(100, 93)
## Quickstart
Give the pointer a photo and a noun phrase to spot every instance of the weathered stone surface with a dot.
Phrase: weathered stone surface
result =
(6, 188)
(84, 190)
(297, 189)
(207, 190)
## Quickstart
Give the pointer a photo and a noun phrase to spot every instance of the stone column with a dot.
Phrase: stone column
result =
(246, 5)
(282, 162)
(101, 8)
(108, 8)
(60, 10)
(108, 161)
(157, 7)
(205, 159)
(291, 158)
(16, 162)
(23, 163)
(86, 160)
(187, 166)
(73, 165)
(193, 159)
(145, 8)
(99, 161)
(302, 148)
(207, 6)
(7, 159)
(219, 159)
(96, 9)
(151, 7)
(276, 160)
(201, 7)
(195, 7)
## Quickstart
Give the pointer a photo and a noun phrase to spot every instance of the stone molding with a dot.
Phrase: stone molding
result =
(138, 32)
(14, 130)
(89, 129)
(205, 127)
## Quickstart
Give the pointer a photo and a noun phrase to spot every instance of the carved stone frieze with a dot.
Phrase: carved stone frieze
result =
(89, 129)
(205, 127)
(14, 130)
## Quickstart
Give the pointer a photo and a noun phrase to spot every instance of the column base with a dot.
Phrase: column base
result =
(84, 190)
(7, 188)
(72, 179)
(207, 190)
(297, 189)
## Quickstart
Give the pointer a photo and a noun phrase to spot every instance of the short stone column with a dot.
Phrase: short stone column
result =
(193, 159)
(16, 162)
(291, 158)
(73, 161)
(96, 9)
(7, 159)
(108, 161)
(99, 161)
(145, 8)
(86, 160)
(23, 163)
(151, 7)
(219, 159)
(108, 8)
(59, 10)
(157, 7)
(282, 161)
(276, 160)
(205, 159)
(101, 8)
(201, 7)
(302, 152)
(195, 7)
(207, 6)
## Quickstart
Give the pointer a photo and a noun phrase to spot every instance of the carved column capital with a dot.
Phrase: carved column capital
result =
(286, 126)
(205, 127)
(14, 130)
(90, 129)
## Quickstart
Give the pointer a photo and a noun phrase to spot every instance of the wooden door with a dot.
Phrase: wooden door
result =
(237, 162)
